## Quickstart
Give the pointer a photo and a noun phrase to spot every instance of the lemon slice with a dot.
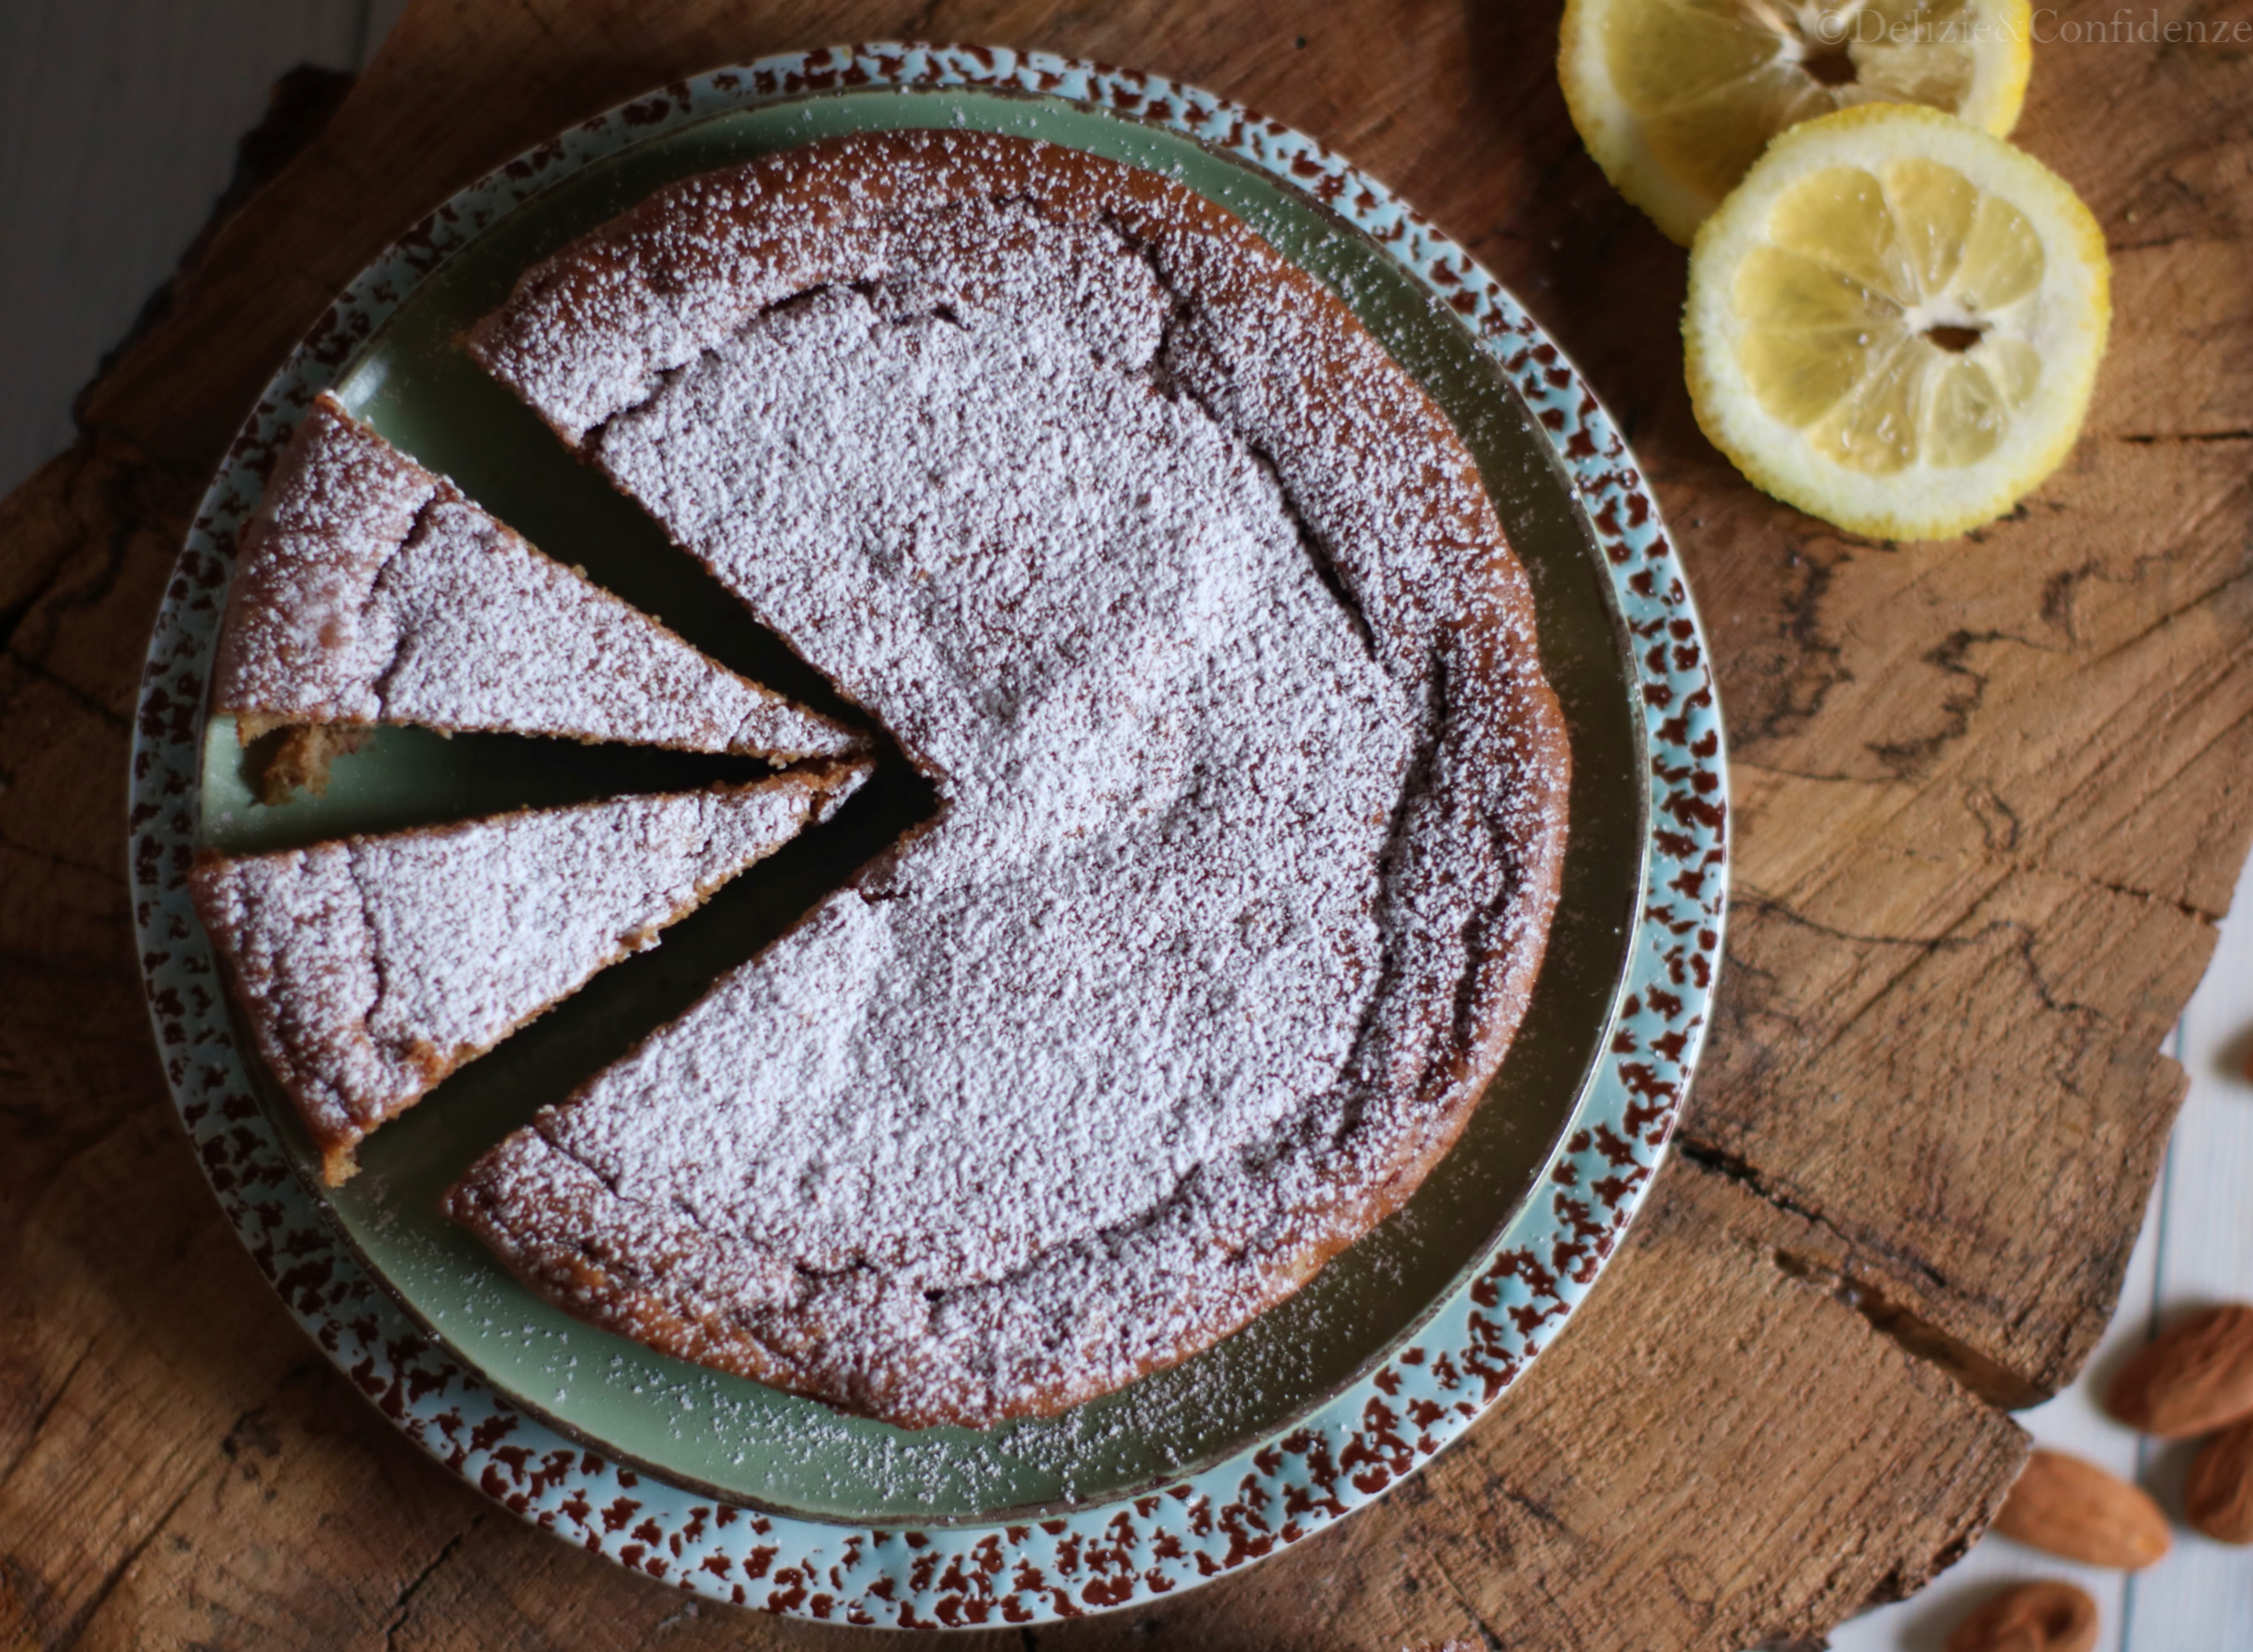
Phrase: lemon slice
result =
(1677, 98)
(1895, 321)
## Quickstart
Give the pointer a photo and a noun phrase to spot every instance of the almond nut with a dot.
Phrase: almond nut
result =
(2218, 1498)
(2033, 1617)
(2066, 1507)
(2196, 1378)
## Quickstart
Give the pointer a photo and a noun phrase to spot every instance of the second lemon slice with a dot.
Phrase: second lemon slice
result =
(1894, 322)
(1677, 98)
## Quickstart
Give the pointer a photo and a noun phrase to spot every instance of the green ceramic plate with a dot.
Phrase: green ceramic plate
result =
(747, 1443)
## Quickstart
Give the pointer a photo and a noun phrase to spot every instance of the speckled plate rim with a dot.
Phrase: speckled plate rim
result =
(1377, 1430)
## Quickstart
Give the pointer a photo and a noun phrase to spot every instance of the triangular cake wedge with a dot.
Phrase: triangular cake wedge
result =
(372, 590)
(372, 968)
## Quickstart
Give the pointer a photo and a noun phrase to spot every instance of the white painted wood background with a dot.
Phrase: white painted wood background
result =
(118, 122)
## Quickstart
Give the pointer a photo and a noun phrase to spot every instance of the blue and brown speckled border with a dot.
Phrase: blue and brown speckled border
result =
(1108, 1554)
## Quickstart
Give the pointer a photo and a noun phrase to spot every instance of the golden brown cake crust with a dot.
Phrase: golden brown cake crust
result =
(614, 339)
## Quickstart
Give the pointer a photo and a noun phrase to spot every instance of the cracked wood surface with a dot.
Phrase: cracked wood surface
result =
(1991, 795)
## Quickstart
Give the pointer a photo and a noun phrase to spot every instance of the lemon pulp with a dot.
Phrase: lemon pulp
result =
(1879, 318)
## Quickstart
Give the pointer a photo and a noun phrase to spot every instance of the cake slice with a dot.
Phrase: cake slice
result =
(370, 590)
(371, 968)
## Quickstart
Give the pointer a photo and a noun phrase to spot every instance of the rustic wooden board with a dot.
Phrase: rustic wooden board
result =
(1991, 796)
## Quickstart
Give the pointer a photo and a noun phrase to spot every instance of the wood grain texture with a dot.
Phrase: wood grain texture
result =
(1991, 795)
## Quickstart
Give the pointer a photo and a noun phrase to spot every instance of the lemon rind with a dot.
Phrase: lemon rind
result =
(1998, 89)
(1613, 135)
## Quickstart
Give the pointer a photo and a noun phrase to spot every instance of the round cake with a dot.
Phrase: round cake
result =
(1250, 796)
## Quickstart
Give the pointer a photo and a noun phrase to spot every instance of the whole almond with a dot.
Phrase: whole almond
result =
(2196, 1378)
(2218, 1498)
(2033, 1617)
(2066, 1507)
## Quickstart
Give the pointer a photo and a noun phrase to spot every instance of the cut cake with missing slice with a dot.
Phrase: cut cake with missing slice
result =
(372, 968)
(372, 590)
(1191, 606)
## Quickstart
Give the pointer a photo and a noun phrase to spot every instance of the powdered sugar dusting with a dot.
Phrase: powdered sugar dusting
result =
(373, 591)
(372, 968)
(1252, 795)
